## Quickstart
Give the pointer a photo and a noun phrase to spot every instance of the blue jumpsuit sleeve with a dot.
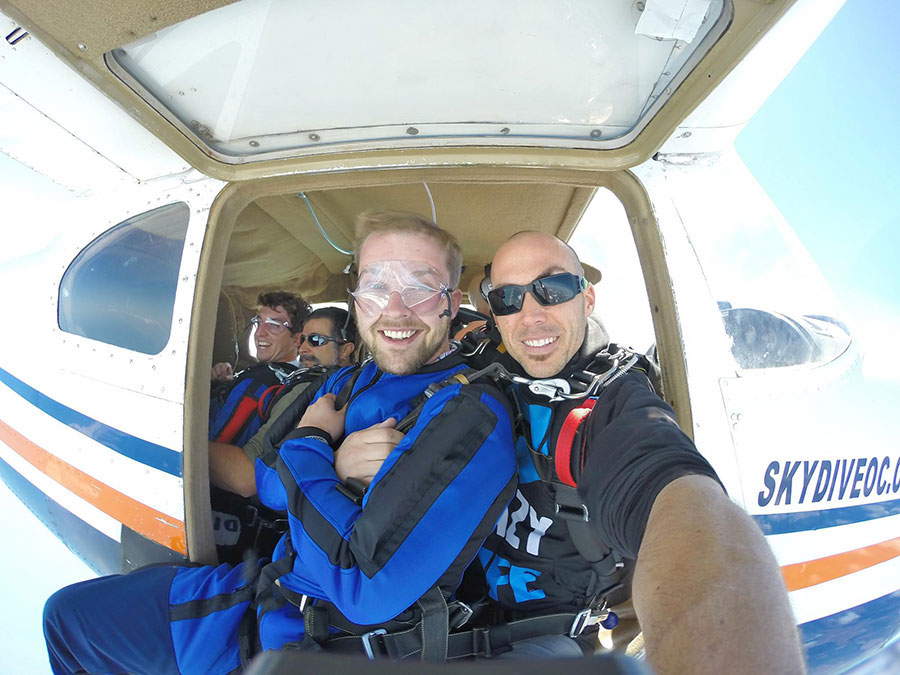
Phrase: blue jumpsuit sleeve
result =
(436, 498)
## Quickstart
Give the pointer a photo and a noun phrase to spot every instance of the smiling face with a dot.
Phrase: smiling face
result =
(542, 339)
(273, 344)
(401, 339)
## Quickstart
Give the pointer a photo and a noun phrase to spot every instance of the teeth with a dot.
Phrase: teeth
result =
(398, 334)
(539, 343)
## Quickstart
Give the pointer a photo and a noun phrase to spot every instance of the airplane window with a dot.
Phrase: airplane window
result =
(121, 288)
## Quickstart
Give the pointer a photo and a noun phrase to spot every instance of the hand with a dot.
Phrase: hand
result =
(363, 452)
(222, 372)
(322, 415)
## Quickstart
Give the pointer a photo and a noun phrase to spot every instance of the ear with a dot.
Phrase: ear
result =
(345, 352)
(455, 300)
(589, 300)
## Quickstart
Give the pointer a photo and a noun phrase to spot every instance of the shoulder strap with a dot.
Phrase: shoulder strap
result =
(282, 425)
(607, 569)
(418, 403)
(566, 439)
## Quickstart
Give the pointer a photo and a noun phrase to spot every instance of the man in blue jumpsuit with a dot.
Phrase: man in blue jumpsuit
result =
(706, 588)
(359, 565)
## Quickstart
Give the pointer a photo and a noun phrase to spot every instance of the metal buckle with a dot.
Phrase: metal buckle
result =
(568, 512)
(367, 646)
(579, 623)
(465, 611)
(587, 617)
(554, 389)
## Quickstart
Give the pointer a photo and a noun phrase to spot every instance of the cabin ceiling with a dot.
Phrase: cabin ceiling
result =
(102, 25)
(276, 243)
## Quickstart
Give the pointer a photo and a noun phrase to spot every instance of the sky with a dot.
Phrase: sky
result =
(824, 147)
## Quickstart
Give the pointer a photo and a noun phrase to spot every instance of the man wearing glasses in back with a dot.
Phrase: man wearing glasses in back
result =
(236, 398)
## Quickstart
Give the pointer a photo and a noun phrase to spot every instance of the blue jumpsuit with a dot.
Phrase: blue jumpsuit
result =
(422, 521)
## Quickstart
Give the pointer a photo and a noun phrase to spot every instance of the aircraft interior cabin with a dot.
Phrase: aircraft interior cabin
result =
(281, 234)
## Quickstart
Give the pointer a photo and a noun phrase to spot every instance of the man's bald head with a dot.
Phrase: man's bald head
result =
(542, 338)
(529, 240)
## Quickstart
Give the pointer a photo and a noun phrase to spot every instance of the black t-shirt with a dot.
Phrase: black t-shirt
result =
(634, 449)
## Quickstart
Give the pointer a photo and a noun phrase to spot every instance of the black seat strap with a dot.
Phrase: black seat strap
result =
(487, 641)
(435, 625)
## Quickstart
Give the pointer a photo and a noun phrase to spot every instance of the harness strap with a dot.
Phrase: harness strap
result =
(486, 641)
(343, 396)
(408, 422)
(266, 398)
(606, 567)
(315, 626)
(435, 625)
(563, 453)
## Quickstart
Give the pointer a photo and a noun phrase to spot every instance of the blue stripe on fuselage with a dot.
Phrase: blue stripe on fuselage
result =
(99, 552)
(836, 642)
(145, 452)
(798, 521)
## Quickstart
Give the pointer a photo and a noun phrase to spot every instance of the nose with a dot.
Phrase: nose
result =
(395, 305)
(305, 348)
(532, 311)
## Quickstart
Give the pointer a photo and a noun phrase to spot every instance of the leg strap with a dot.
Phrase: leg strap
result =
(487, 641)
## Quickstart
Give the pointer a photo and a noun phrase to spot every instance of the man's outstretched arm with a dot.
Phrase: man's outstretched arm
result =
(707, 589)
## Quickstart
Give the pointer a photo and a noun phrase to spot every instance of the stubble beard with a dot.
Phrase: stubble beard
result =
(411, 359)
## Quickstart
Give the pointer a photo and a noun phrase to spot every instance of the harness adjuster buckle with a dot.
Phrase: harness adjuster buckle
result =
(366, 641)
(460, 614)
(481, 638)
(572, 512)
(582, 620)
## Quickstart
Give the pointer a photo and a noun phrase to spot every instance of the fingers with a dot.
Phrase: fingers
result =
(222, 371)
(389, 422)
(377, 435)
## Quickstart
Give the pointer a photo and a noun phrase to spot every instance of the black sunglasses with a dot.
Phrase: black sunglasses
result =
(552, 290)
(317, 340)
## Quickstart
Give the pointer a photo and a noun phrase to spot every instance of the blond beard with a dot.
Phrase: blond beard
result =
(410, 360)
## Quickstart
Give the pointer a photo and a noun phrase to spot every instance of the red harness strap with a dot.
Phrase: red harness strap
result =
(262, 408)
(563, 453)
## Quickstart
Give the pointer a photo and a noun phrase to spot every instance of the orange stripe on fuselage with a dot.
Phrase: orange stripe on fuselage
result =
(139, 517)
(812, 572)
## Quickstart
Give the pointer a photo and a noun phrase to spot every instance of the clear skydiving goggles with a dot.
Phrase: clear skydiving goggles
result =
(419, 285)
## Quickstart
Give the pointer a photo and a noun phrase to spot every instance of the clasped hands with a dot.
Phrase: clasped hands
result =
(361, 454)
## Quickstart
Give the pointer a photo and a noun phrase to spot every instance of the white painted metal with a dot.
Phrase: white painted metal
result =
(90, 140)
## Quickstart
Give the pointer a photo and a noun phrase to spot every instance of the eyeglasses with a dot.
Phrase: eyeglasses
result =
(418, 284)
(272, 325)
(551, 290)
(317, 340)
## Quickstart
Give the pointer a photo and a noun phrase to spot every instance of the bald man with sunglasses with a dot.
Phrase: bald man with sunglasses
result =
(706, 588)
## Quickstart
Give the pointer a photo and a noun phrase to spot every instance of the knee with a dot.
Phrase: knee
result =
(57, 607)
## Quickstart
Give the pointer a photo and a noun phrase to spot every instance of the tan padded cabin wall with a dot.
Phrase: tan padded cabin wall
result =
(276, 244)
